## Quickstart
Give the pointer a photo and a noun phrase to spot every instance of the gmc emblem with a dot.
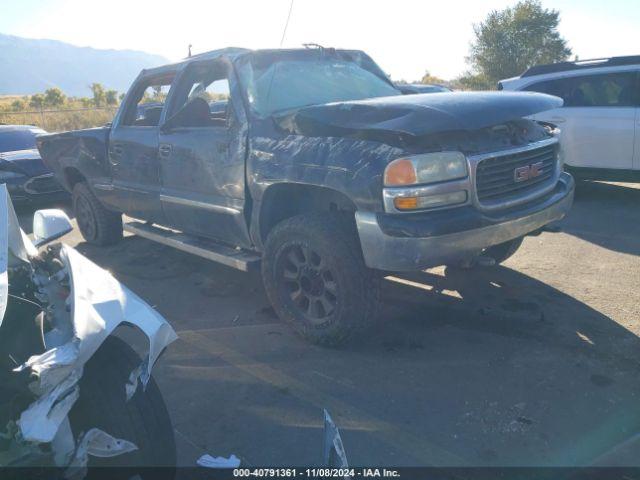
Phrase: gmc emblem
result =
(522, 174)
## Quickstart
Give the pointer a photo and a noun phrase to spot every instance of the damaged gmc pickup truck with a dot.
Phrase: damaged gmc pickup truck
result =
(311, 163)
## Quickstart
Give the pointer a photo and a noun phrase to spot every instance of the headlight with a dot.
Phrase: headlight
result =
(8, 175)
(425, 168)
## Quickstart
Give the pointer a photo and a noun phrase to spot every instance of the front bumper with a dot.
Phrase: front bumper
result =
(399, 243)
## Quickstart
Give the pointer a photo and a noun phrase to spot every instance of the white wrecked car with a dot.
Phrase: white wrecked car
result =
(70, 393)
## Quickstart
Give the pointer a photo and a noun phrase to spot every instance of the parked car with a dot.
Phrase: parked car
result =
(413, 88)
(600, 118)
(71, 394)
(322, 171)
(21, 167)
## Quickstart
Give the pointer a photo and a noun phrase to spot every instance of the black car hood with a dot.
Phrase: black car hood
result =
(417, 115)
(26, 162)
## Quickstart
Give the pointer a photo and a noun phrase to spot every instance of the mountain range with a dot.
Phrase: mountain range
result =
(30, 66)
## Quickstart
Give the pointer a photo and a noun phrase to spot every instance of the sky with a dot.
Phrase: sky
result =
(405, 37)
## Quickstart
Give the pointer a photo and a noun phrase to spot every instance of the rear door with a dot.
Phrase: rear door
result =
(202, 156)
(133, 149)
(597, 120)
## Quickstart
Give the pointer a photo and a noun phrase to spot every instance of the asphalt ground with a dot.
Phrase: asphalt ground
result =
(533, 363)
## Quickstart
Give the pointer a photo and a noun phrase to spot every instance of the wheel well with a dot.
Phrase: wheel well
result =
(282, 201)
(73, 176)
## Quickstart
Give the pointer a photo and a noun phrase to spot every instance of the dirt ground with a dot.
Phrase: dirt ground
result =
(536, 362)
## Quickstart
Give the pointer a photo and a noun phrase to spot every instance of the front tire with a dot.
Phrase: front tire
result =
(143, 419)
(98, 225)
(316, 279)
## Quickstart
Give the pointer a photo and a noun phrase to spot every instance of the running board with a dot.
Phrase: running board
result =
(209, 249)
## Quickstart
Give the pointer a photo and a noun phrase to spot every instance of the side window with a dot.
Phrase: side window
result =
(145, 108)
(203, 99)
(604, 90)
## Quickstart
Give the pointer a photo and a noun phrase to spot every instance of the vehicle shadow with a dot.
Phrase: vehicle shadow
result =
(606, 214)
(541, 378)
(507, 303)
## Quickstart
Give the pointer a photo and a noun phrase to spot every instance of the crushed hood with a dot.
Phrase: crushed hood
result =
(417, 115)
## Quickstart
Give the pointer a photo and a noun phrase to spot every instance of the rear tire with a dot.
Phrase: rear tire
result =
(316, 279)
(98, 225)
(143, 419)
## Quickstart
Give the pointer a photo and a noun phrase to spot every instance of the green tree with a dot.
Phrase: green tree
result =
(36, 101)
(18, 105)
(471, 81)
(111, 97)
(511, 40)
(54, 97)
(99, 96)
(427, 78)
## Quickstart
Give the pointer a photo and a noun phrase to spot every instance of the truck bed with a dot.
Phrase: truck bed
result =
(69, 153)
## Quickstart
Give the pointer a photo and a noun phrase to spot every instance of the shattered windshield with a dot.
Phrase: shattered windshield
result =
(289, 84)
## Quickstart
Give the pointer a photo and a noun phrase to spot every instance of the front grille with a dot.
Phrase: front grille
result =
(496, 175)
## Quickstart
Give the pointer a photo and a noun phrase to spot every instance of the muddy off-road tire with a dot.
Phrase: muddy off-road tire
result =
(503, 251)
(98, 225)
(316, 279)
(143, 420)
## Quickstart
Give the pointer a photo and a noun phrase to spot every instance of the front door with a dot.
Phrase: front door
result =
(202, 157)
(133, 150)
(597, 119)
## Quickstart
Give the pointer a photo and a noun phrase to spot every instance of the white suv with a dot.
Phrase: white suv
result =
(600, 119)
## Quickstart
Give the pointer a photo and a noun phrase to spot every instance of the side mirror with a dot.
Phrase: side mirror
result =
(49, 225)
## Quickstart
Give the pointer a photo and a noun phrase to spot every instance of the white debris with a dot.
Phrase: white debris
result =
(134, 377)
(79, 323)
(13, 241)
(63, 444)
(218, 462)
(51, 367)
(4, 253)
(101, 303)
(333, 454)
(98, 444)
(40, 422)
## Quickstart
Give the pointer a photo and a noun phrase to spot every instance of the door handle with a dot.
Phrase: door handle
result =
(165, 150)
(558, 119)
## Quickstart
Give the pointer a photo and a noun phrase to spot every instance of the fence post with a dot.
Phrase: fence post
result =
(42, 117)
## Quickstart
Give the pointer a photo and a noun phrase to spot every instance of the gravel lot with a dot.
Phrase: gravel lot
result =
(532, 363)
